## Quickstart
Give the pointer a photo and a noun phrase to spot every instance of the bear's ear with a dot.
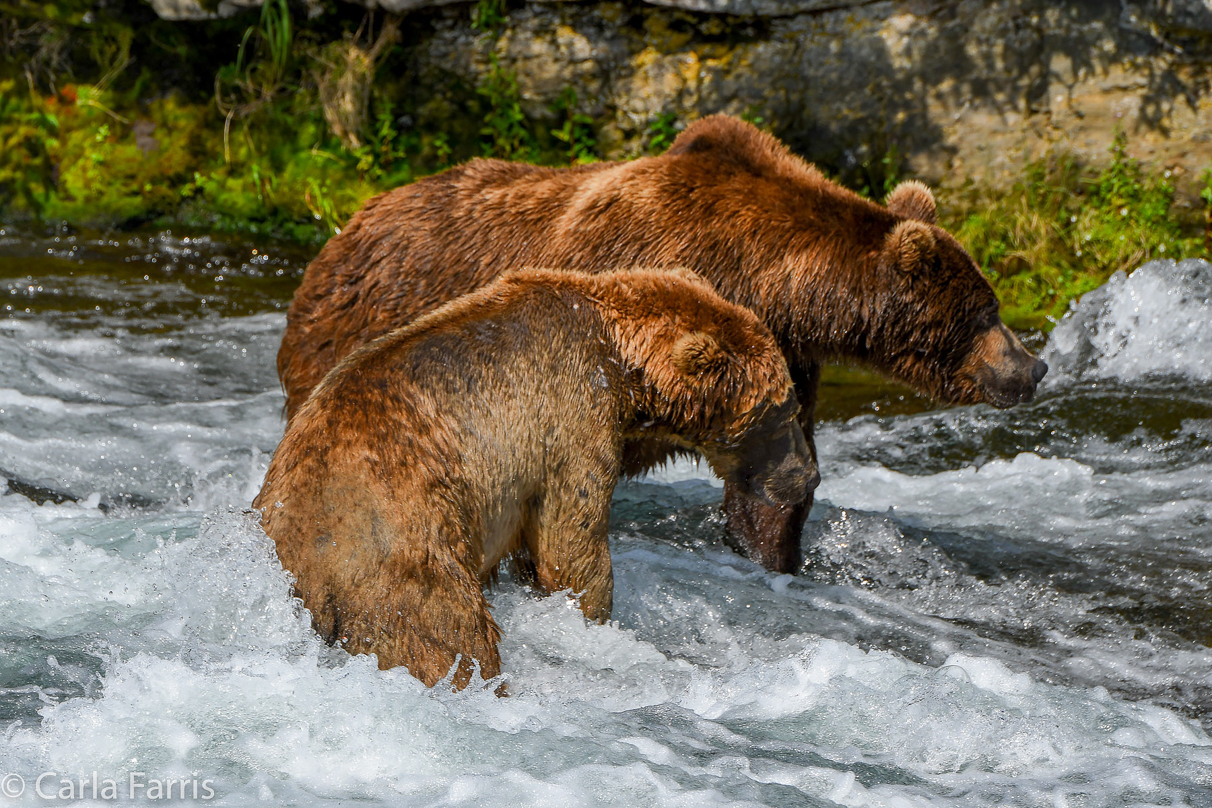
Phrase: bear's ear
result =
(913, 200)
(698, 353)
(910, 243)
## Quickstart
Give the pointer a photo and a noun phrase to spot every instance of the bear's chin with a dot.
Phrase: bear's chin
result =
(1006, 400)
(1001, 396)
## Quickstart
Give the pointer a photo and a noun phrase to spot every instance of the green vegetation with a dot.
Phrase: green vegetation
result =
(1206, 195)
(577, 131)
(505, 132)
(754, 116)
(488, 15)
(876, 177)
(661, 133)
(276, 123)
(1063, 228)
(247, 147)
(27, 136)
(272, 123)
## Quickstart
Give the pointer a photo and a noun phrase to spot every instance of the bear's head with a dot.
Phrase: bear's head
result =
(937, 325)
(708, 375)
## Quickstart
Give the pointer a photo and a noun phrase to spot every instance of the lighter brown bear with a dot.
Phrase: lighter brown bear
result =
(495, 427)
(835, 276)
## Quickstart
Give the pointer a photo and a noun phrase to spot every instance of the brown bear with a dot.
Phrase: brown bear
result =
(495, 426)
(835, 276)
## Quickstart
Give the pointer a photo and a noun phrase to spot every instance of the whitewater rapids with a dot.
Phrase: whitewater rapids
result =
(997, 608)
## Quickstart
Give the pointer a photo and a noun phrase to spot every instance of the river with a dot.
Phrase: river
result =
(996, 608)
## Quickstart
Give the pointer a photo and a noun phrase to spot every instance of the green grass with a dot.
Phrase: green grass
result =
(1063, 228)
(662, 131)
(288, 138)
(488, 15)
(505, 133)
(76, 157)
(576, 132)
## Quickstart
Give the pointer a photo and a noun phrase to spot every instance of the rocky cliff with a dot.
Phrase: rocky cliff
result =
(946, 90)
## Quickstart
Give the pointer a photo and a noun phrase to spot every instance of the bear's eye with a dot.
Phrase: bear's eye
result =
(988, 318)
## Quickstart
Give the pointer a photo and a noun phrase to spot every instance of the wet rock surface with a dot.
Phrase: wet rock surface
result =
(947, 90)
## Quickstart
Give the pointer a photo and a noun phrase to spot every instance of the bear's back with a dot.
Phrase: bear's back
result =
(487, 371)
(727, 200)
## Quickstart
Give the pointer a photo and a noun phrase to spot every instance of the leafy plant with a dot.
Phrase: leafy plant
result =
(322, 205)
(1205, 194)
(261, 65)
(488, 15)
(504, 133)
(878, 176)
(576, 132)
(385, 157)
(1062, 229)
(441, 149)
(28, 136)
(753, 115)
(661, 133)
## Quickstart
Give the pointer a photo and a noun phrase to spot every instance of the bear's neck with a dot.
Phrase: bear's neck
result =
(821, 297)
(834, 307)
(804, 255)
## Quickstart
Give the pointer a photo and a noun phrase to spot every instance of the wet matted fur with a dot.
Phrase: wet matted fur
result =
(496, 426)
(834, 275)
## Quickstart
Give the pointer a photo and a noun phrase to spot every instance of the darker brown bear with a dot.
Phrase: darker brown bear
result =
(834, 275)
(495, 426)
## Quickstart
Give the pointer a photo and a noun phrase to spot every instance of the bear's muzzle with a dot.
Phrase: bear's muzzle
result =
(1003, 371)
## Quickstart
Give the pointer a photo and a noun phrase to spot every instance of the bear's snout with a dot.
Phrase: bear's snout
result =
(1004, 371)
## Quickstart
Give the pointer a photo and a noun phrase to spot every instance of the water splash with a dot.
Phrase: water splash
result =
(1150, 324)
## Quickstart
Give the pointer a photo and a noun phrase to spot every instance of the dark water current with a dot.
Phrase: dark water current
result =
(997, 607)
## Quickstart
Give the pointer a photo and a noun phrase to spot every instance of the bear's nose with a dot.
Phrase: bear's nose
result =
(802, 475)
(813, 480)
(1037, 372)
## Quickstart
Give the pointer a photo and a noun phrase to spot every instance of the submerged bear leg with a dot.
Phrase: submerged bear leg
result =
(424, 619)
(566, 539)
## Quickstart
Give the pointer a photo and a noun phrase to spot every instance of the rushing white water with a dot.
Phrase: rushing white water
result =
(996, 608)
(1151, 323)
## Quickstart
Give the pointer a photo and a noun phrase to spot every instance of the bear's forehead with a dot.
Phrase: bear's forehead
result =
(957, 269)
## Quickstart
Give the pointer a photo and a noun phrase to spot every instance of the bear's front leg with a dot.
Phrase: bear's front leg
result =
(566, 539)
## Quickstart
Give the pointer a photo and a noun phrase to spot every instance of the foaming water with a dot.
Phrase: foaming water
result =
(1073, 534)
(140, 419)
(1152, 323)
(996, 607)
